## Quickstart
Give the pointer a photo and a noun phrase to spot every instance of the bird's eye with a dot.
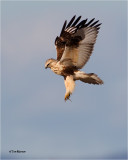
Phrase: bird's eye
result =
(48, 64)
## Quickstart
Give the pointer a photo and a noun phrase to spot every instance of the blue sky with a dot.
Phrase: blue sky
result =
(35, 117)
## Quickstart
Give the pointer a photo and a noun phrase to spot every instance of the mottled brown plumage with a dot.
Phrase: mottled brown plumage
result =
(74, 47)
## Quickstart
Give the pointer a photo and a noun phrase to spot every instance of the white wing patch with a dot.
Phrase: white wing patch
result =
(71, 30)
(90, 35)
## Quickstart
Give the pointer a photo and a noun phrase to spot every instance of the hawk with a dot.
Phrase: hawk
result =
(74, 47)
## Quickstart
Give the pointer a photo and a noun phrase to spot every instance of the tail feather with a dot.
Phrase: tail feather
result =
(90, 78)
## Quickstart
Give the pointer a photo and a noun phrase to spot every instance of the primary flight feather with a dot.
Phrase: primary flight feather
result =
(74, 47)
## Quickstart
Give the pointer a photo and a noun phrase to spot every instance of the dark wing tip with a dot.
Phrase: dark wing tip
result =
(63, 28)
(86, 25)
(98, 25)
(71, 21)
(82, 24)
(93, 24)
(76, 21)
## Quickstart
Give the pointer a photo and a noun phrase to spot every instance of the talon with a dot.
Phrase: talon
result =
(67, 96)
(69, 99)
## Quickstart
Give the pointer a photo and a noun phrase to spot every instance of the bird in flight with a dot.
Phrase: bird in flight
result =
(74, 47)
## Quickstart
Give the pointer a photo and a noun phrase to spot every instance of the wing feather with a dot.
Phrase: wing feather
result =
(76, 21)
(71, 21)
(63, 28)
(76, 41)
(89, 22)
(80, 55)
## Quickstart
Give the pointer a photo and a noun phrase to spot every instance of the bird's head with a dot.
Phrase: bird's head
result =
(49, 63)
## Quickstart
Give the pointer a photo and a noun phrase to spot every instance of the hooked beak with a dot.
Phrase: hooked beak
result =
(46, 67)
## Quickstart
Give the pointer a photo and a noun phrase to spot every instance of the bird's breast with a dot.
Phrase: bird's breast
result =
(58, 69)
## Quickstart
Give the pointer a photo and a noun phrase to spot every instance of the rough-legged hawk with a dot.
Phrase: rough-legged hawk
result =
(74, 47)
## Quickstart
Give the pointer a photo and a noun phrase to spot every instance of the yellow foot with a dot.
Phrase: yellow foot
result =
(67, 96)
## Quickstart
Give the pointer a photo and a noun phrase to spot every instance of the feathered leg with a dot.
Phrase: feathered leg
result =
(69, 85)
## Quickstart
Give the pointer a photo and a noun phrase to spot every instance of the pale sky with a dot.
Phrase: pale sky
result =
(35, 117)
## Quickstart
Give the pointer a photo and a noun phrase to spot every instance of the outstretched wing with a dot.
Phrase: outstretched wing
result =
(64, 38)
(77, 42)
